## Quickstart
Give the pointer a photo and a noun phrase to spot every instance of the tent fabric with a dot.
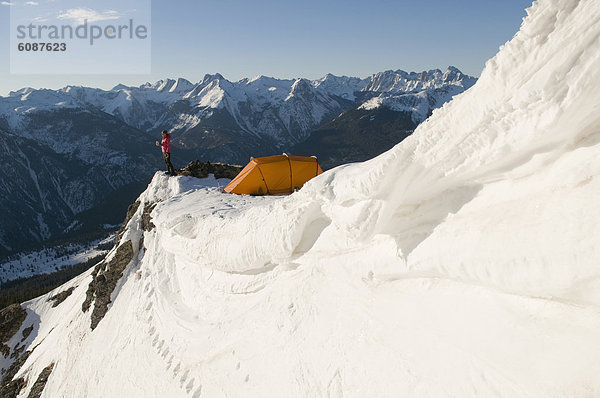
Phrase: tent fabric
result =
(273, 175)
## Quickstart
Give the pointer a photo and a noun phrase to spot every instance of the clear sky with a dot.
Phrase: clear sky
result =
(287, 39)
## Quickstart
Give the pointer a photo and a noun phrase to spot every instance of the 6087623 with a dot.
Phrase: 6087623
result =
(42, 46)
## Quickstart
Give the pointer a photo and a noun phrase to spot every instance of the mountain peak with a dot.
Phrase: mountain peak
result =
(181, 85)
(300, 87)
(208, 77)
(120, 86)
(22, 91)
(256, 78)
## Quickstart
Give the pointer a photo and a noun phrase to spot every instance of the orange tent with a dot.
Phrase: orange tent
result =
(271, 175)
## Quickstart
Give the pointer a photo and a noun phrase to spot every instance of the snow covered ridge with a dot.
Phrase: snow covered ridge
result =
(463, 262)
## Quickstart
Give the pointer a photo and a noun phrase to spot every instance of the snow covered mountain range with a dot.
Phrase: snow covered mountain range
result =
(276, 111)
(461, 263)
(64, 151)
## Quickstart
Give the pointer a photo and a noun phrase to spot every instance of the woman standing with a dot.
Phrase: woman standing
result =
(165, 145)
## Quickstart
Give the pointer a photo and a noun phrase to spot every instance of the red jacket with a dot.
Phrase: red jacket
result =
(165, 144)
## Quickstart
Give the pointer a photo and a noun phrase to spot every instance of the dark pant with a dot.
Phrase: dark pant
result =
(170, 168)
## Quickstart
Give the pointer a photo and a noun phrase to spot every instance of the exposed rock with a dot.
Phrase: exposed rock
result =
(27, 332)
(105, 278)
(11, 319)
(60, 297)
(10, 388)
(40, 383)
(147, 224)
(200, 169)
(17, 351)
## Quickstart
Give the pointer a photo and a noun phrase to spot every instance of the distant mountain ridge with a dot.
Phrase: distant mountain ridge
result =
(283, 111)
(71, 148)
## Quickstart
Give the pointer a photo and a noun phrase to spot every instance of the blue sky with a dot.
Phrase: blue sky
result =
(287, 39)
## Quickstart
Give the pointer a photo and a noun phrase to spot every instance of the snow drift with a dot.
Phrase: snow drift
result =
(463, 262)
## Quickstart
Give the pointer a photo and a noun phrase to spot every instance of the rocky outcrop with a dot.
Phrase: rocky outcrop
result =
(26, 333)
(10, 388)
(40, 383)
(105, 278)
(200, 169)
(147, 224)
(60, 297)
(11, 319)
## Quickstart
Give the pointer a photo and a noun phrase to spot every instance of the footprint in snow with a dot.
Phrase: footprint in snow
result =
(197, 392)
(189, 386)
(184, 377)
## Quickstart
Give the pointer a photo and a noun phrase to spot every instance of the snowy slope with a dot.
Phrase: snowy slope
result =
(463, 262)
